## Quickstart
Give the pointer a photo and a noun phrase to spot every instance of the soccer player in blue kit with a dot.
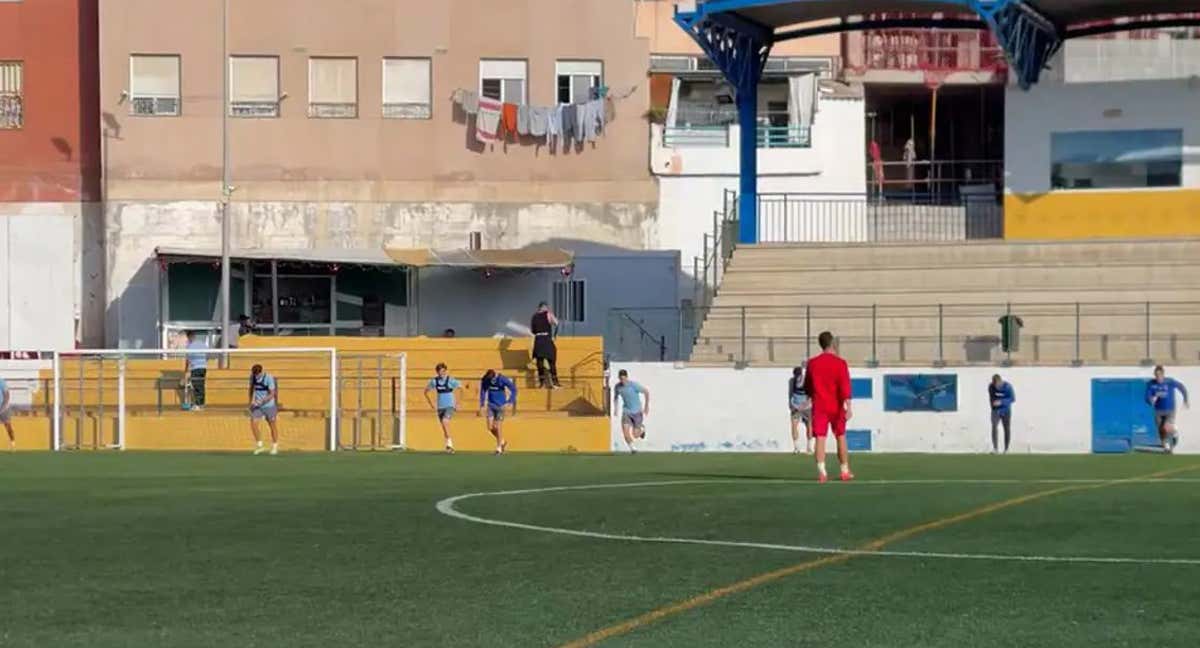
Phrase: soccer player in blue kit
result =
(495, 392)
(264, 404)
(447, 400)
(1160, 394)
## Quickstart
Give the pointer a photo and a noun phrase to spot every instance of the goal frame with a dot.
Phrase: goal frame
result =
(122, 355)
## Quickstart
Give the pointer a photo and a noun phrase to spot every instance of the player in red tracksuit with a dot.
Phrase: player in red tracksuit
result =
(828, 386)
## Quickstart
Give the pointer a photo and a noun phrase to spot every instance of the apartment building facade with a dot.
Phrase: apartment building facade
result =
(347, 131)
(51, 239)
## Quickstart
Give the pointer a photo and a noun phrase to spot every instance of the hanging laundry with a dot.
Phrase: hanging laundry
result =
(610, 110)
(487, 122)
(570, 119)
(470, 102)
(508, 120)
(539, 119)
(523, 119)
(554, 125)
(581, 115)
(458, 96)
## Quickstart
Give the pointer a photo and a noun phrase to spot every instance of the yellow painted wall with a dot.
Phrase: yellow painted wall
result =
(1102, 214)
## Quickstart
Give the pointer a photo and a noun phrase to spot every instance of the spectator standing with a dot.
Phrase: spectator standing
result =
(545, 352)
(196, 368)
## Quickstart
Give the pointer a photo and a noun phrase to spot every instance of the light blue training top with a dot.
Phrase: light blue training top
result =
(630, 395)
(197, 360)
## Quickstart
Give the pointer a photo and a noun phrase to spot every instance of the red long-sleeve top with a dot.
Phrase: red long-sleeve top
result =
(827, 384)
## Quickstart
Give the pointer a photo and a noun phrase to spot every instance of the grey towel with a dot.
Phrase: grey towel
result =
(470, 102)
(539, 121)
(523, 119)
(569, 121)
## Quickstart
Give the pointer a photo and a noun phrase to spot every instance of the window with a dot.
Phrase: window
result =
(12, 107)
(569, 301)
(407, 86)
(577, 80)
(1116, 159)
(154, 84)
(503, 80)
(333, 88)
(254, 86)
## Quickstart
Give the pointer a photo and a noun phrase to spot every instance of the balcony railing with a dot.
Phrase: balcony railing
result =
(917, 334)
(11, 111)
(769, 137)
(863, 218)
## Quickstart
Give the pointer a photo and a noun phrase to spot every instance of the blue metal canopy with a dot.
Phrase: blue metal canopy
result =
(738, 35)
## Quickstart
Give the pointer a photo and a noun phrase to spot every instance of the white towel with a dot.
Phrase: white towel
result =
(487, 122)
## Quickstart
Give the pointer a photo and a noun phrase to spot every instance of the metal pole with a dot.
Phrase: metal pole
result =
(1079, 359)
(941, 337)
(377, 434)
(333, 398)
(1149, 358)
(403, 401)
(226, 189)
(82, 411)
(121, 403)
(808, 331)
(358, 409)
(743, 335)
(98, 437)
(874, 339)
(56, 442)
(158, 383)
(1007, 332)
(747, 107)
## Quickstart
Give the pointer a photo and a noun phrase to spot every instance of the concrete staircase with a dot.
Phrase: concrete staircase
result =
(941, 302)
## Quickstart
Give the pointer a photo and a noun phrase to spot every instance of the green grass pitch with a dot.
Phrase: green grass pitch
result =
(133, 549)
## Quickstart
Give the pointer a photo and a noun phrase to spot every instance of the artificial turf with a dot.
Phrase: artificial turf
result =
(164, 549)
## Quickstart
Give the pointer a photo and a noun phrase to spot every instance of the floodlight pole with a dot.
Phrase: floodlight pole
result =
(226, 189)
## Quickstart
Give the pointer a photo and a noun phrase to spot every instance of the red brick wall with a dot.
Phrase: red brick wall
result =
(55, 156)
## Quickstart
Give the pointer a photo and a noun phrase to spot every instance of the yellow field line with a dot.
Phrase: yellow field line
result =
(652, 616)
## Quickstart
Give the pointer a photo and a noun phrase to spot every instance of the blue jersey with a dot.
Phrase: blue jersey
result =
(262, 386)
(1162, 394)
(497, 392)
(630, 395)
(1004, 394)
(445, 391)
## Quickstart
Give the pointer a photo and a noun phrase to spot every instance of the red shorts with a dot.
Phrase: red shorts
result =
(823, 421)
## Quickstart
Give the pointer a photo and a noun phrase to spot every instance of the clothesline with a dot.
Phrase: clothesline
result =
(497, 121)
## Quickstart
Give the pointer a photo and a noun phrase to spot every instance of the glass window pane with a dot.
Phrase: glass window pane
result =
(581, 87)
(514, 90)
(491, 89)
(1116, 159)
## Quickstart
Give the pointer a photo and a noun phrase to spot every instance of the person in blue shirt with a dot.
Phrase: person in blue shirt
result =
(196, 369)
(629, 394)
(447, 400)
(6, 413)
(1160, 394)
(264, 404)
(1001, 397)
(496, 391)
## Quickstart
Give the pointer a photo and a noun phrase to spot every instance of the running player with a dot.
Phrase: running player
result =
(447, 400)
(495, 391)
(827, 384)
(1160, 394)
(264, 404)
(6, 414)
(633, 412)
(801, 410)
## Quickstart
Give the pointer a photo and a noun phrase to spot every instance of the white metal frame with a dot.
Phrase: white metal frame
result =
(123, 354)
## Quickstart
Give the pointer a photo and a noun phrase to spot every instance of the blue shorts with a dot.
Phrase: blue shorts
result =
(445, 413)
(495, 412)
(269, 412)
(634, 419)
(6, 415)
(801, 408)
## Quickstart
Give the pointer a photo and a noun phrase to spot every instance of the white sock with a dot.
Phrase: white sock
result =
(258, 444)
(449, 443)
(274, 446)
(845, 468)
(821, 468)
(811, 445)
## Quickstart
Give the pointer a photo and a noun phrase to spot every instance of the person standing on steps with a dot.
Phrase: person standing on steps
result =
(196, 369)
(1001, 397)
(545, 352)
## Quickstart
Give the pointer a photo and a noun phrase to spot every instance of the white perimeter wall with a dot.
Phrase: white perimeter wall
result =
(691, 181)
(727, 410)
(45, 271)
(1032, 116)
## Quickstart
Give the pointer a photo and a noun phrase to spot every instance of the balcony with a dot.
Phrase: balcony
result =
(719, 137)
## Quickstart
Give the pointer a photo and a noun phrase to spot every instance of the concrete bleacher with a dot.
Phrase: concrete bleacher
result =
(571, 418)
(884, 301)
